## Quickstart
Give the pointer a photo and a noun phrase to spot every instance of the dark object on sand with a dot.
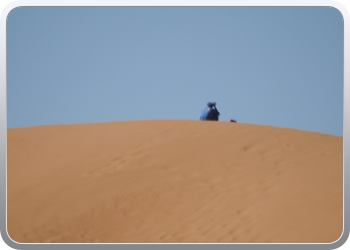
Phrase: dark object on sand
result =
(233, 121)
(210, 113)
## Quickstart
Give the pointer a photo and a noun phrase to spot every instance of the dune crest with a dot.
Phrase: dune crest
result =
(175, 182)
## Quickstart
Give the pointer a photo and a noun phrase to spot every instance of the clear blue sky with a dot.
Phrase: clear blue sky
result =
(278, 66)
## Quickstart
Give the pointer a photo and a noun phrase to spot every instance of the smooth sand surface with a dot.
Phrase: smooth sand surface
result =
(173, 181)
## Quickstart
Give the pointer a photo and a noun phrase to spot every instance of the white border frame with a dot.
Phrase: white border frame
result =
(184, 3)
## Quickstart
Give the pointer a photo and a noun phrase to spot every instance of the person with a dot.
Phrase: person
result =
(210, 113)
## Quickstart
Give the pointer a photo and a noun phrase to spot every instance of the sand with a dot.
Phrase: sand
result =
(173, 181)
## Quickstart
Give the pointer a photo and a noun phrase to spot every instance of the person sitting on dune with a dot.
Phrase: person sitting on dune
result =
(210, 113)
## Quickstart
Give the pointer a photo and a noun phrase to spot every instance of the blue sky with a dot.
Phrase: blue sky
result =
(278, 66)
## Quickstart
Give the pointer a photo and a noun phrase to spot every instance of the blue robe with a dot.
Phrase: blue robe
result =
(210, 113)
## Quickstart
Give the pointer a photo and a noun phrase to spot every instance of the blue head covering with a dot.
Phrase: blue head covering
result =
(210, 104)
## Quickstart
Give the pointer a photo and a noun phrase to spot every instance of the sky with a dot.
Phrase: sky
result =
(276, 66)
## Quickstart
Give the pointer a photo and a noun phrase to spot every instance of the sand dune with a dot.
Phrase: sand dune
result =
(173, 181)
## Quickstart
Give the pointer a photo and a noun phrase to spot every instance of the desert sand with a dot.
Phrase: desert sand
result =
(173, 181)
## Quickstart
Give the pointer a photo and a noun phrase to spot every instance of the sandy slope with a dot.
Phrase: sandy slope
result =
(173, 181)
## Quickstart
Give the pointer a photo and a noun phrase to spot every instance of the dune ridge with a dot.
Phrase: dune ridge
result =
(173, 181)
